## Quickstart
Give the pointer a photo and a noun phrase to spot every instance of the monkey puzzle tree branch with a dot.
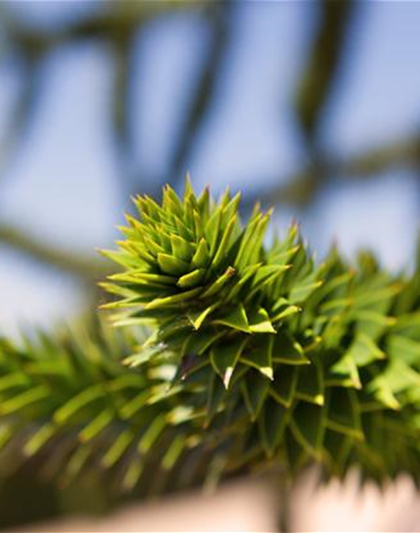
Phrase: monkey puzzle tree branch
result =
(297, 362)
(322, 63)
(300, 188)
(238, 357)
(67, 404)
(84, 268)
(219, 20)
(116, 18)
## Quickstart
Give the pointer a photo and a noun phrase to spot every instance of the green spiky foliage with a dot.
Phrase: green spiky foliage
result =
(69, 407)
(235, 356)
(291, 361)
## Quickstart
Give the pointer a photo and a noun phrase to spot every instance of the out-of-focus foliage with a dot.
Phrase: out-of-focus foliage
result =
(72, 415)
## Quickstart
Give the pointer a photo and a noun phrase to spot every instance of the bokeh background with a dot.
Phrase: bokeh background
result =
(310, 106)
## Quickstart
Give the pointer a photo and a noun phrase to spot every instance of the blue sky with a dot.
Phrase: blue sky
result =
(378, 93)
(63, 183)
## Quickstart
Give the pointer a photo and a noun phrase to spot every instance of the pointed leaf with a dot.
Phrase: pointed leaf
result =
(141, 276)
(259, 322)
(235, 319)
(200, 342)
(284, 386)
(343, 415)
(364, 351)
(174, 451)
(79, 401)
(399, 346)
(201, 258)
(171, 200)
(288, 351)
(172, 265)
(224, 244)
(98, 424)
(308, 426)
(132, 474)
(300, 292)
(171, 301)
(181, 249)
(24, 399)
(192, 279)
(37, 441)
(310, 386)
(197, 318)
(272, 424)
(250, 248)
(261, 357)
(382, 392)
(220, 282)
(344, 373)
(254, 389)
(211, 230)
(265, 275)
(215, 397)
(152, 433)
(224, 358)
(285, 312)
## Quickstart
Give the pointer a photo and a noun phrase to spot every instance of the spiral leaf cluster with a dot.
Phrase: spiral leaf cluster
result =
(293, 361)
(233, 354)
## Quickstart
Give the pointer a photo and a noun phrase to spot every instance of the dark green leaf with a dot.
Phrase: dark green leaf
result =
(235, 319)
(288, 351)
(308, 425)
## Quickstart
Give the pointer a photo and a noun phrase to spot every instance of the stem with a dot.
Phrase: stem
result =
(284, 515)
(83, 267)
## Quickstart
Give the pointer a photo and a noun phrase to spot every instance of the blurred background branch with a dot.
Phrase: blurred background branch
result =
(325, 56)
(117, 24)
(219, 21)
(84, 268)
(300, 188)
